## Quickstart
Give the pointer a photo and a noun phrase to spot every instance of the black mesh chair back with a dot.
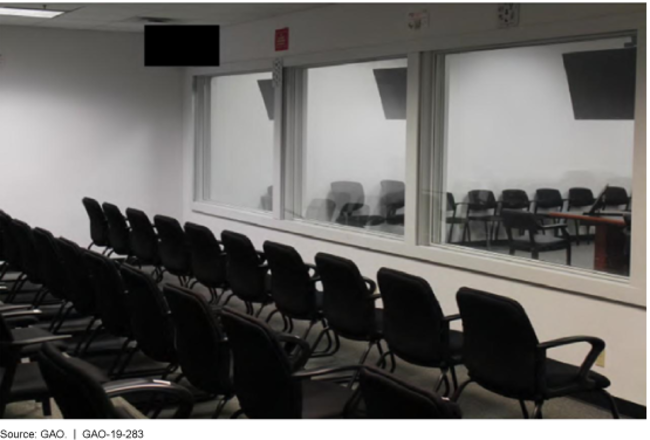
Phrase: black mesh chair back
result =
(29, 257)
(202, 349)
(481, 200)
(79, 286)
(173, 246)
(77, 393)
(347, 303)
(208, 260)
(514, 199)
(246, 271)
(548, 198)
(150, 320)
(110, 294)
(292, 288)
(581, 197)
(52, 269)
(144, 241)
(348, 196)
(261, 369)
(118, 230)
(499, 343)
(392, 196)
(98, 222)
(615, 196)
(387, 397)
(413, 326)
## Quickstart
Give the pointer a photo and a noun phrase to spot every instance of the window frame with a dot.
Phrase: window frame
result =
(542, 274)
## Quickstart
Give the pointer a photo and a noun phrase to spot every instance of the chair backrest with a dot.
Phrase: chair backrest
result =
(581, 197)
(615, 196)
(203, 353)
(98, 222)
(522, 220)
(261, 369)
(207, 258)
(392, 196)
(514, 199)
(110, 293)
(499, 345)
(11, 251)
(79, 286)
(347, 302)
(481, 200)
(246, 273)
(451, 202)
(387, 397)
(52, 269)
(150, 320)
(348, 196)
(292, 289)
(173, 245)
(548, 198)
(29, 257)
(413, 326)
(321, 210)
(77, 392)
(144, 241)
(118, 230)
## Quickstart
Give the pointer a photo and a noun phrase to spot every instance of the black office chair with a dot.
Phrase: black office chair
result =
(201, 344)
(119, 239)
(581, 198)
(388, 397)
(615, 197)
(536, 241)
(81, 391)
(349, 198)
(502, 354)
(479, 204)
(391, 200)
(453, 219)
(30, 264)
(98, 223)
(415, 328)
(293, 289)
(548, 199)
(10, 250)
(321, 210)
(144, 242)
(349, 303)
(21, 381)
(247, 271)
(173, 248)
(270, 385)
(150, 321)
(516, 199)
(208, 260)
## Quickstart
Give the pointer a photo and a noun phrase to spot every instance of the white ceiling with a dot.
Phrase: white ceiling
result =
(124, 16)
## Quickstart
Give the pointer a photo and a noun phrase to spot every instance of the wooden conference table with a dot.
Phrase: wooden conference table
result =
(610, 241)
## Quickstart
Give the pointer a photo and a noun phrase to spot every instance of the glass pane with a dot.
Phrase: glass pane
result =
(539, 152)
(241, 141)
(354, 145)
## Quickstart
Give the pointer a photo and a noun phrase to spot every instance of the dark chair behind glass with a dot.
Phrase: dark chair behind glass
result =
(481, 207)
(502, 354)
(392, 200)
(512, 199)
(349, 198)
(615, 197)
(454, 219)
(583, 199)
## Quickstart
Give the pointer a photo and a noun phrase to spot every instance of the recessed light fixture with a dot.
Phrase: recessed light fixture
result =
(33, 13)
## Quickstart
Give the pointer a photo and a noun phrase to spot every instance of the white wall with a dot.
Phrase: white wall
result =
(511, 125)
(81, 116)
(349, 30)
(241, 137)
(348, 137)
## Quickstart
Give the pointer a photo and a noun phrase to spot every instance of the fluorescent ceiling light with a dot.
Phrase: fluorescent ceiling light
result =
(34, 13)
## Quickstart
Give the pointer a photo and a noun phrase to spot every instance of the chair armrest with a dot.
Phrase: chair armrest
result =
(40, 340)
(374, 297)
(597, 346)
(21, 313)
(450, 318)
(554, 226)
(261, 256)
(308, 374)
(6, 308)
(303, 346)
(372, 286)
(130, 386)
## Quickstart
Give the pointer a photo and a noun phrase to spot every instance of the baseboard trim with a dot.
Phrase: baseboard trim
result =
(625, 407)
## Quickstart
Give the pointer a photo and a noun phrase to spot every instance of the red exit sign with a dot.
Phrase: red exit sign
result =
(281, 39)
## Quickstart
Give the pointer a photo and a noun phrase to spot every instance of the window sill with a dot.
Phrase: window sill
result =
(571, 280)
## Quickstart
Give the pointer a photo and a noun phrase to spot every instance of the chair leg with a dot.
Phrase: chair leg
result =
(237, 413)
(568, 254)
(454, 378)
(47, 407)
(362, 361)
(612, 404)
(221, 406)
(443, 379)
(460, 389)
(268, 318)
(537, 412)
(524, 410)
(259, 312)
(577, 226)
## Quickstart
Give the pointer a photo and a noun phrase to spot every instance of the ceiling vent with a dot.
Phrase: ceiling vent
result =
(154, 20)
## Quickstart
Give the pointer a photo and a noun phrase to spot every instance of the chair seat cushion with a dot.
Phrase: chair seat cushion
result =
(562, 378)
(24, 333)
(323, 400)
(28, 384)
